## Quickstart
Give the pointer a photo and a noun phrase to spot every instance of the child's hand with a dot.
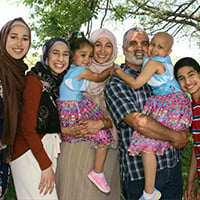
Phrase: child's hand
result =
(113, 71)
(117, 71)
(79, 77)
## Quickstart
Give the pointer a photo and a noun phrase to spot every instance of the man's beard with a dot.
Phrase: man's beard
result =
(133, 59)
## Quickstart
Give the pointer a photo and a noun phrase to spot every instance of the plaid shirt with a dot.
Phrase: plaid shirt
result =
(122, 100)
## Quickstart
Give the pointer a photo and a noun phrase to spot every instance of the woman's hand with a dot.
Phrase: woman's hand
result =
(47, 181)
(89, 127)
(74, 130)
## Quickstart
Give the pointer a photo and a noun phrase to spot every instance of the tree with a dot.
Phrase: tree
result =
(175, 16)
(61, 17)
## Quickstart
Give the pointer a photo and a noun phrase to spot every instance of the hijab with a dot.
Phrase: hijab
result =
(12, 76)
(98, 87)
(47, 119)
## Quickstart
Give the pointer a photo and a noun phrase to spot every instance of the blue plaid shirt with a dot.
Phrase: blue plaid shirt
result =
(123, 100)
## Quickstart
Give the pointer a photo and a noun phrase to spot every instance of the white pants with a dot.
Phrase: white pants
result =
(27, 173)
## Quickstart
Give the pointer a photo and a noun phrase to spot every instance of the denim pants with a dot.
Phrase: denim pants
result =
(168, 182)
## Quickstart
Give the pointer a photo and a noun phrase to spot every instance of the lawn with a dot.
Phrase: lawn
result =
(10, 195)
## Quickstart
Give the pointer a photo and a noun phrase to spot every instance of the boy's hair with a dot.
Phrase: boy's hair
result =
(77, 41)
(187, 61)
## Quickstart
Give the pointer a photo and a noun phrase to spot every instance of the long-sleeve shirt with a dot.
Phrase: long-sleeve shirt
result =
(196, 133)
(123, 100)
(27, 137)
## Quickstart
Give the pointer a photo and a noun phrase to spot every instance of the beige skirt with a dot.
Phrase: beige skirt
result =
(74, 164)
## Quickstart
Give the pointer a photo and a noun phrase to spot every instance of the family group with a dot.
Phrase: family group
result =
(78, 126)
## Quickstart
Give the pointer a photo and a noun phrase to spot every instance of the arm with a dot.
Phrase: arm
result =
(124, 104)
(153, 129)
(150, 68)
(96, 77)
(189, 189)
(86, 128)
(32, 95)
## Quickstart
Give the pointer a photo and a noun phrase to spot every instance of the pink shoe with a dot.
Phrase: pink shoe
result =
(99, 182)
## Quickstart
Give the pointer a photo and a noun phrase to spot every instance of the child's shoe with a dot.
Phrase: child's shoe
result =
(99, 182)
(157, 195)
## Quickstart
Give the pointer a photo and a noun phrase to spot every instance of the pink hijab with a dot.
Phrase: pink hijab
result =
(97, 88)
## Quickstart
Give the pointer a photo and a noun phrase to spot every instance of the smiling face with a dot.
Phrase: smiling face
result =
(83, 56)
(189, 80)
(160, 45)
(58, 58)
(135, 49)
(103, 49)
(18, 42)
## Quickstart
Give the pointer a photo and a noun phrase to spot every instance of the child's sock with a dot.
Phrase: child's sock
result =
(98, 174)
(148, 196)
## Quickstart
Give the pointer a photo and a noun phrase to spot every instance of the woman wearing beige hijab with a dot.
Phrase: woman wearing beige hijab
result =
(76, 160)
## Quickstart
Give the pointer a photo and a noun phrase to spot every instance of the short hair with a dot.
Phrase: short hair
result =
(134, 29)
(186, 61)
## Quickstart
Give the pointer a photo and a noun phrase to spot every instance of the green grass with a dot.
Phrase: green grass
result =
(10, 194)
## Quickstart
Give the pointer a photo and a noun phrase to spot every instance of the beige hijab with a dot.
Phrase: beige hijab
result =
(97, 88)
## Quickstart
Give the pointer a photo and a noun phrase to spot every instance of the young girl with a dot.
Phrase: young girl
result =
(187, 72)
(73, 107)
(170, 106)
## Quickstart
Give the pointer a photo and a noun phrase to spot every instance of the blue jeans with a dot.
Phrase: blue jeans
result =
(168, 182)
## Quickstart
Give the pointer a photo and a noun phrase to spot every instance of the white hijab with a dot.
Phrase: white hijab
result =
(97, 88)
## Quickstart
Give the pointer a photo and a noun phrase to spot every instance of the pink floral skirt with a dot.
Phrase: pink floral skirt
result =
(72, 112)
(172, 110)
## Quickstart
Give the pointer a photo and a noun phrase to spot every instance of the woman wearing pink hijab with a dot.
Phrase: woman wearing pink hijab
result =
(77, 159)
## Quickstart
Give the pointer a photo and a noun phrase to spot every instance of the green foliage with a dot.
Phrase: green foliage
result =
(60, 17)
(120, 12)
(173, 16)
(186, 163)
(10, 192)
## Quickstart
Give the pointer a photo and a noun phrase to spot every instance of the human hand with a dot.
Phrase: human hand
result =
(74, 130)
(189, 192)
(114, 70)
(89, 127)
(180, 139)
(47, 181)
(198, 194)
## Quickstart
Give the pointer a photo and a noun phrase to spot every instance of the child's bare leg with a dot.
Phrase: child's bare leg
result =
(150, 166)
(100, 156)
(97, 175)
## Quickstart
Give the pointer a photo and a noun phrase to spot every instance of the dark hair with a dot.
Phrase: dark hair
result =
(187, 61)
(78, 40)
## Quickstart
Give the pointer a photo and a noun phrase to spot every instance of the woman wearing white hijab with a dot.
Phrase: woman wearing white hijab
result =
(76, 160)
